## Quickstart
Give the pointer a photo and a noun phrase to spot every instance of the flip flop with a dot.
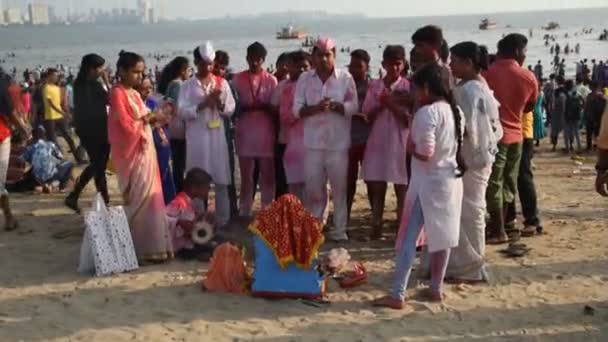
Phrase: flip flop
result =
(516, 250)
(388, 302)
(528, 231)
(496, 241)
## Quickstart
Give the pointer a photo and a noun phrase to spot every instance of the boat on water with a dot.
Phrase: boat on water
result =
(487, 24)
(552, 25)
(289, 32)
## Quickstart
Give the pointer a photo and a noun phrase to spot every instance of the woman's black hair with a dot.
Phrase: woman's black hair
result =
(361, 55)
(393, 53)
(170, 72)
(444, 52)
(477, 54)
(197, 177)
(511, 44)
(283, 59)
(89, 62)
(127, 60)
(222, 57)
(257, 50)
(428, 34)
(430, 76)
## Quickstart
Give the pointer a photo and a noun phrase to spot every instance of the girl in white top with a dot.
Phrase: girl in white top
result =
(434, 196)
(483, 131)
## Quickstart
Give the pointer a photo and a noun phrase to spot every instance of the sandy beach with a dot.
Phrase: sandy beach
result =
(540, 297)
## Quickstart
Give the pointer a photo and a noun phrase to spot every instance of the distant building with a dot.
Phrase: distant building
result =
(1, 14)
(39, 14)
(12, 16)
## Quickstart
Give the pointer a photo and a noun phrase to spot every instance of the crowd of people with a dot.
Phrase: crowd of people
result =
(456, 141)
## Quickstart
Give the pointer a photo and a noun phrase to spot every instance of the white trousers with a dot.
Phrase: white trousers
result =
(222, 204)
(467, 260)
(5, 157)
(321, 166)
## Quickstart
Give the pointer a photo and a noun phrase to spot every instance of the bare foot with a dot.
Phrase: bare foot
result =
(497, 240)
(389, 302)
(432, 295)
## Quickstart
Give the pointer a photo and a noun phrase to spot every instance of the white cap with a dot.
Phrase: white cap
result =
(206, 52)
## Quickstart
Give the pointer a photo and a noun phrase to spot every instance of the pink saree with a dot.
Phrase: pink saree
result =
(134, 160)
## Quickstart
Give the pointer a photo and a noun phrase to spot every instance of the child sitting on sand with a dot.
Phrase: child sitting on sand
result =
(49, 167)
(185, 215)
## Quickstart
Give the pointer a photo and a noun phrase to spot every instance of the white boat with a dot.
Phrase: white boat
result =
(486, 24)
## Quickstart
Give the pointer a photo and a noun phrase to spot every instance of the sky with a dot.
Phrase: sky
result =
(199, 9)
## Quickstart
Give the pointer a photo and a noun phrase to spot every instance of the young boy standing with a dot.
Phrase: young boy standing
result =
(255, 137)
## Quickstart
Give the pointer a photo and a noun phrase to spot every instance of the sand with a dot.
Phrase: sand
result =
(540, 297)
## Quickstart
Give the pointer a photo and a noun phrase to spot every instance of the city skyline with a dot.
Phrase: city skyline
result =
(194, 9)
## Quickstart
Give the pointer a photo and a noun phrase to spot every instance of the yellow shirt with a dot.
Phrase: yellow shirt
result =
(602, 138)
(52, 94)
(527, 127)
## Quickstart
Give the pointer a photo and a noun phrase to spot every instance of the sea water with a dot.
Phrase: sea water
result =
(55, 45)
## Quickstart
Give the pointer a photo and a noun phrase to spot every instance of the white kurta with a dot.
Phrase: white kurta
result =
(206, 145)
(434, 181)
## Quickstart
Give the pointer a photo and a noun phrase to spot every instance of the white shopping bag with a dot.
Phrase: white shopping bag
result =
(107, 246)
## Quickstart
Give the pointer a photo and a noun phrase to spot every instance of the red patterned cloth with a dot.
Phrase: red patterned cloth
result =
(290, 231)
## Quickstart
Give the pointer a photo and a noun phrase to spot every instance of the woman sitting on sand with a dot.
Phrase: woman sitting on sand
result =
(134, 158)
(435, 194)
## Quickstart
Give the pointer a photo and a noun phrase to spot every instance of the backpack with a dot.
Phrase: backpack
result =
(574, 108)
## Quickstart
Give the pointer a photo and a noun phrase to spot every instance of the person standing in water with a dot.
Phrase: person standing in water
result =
(91, 122)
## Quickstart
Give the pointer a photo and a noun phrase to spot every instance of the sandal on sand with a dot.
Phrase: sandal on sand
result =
(528, 231)
(497, 240)
(516, 250)
(389, 302)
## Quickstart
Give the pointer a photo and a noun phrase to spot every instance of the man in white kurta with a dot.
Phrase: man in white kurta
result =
(206, 145)
(326, 99)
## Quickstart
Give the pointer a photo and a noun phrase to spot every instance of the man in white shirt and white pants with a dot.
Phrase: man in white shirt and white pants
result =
(326, 99)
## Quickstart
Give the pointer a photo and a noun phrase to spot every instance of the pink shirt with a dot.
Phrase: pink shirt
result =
(293, 160)
(255, 134)
(180, 209)
(329, 130)
(385, 152)
(513, 87)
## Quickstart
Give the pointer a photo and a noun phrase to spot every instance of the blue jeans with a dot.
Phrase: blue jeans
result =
(406, 255)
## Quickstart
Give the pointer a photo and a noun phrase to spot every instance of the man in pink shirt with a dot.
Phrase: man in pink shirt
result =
(516, 90)
(326, 99)
(255, 132)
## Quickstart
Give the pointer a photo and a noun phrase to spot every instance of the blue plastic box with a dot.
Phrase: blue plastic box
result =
(270, 281)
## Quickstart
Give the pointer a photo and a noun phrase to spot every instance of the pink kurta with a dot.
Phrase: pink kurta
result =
(255, 133)
(134, 159)
(180, 209)
(385, 154)
(293, 128)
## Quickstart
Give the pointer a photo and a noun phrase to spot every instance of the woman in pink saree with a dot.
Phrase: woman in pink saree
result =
(134, 159)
